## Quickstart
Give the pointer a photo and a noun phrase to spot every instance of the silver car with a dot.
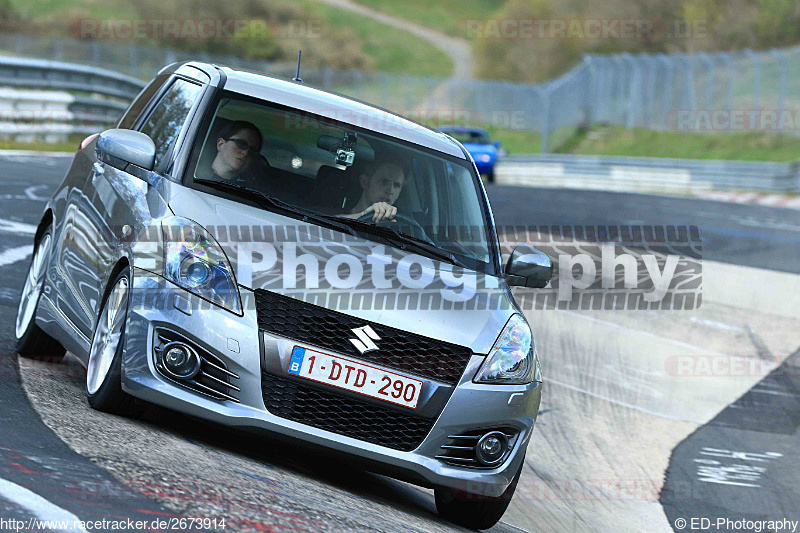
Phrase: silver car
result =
(277, 258)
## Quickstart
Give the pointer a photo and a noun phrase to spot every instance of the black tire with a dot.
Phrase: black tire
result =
(109, 397)
(33, 342)
(473, 511)
(490, 176)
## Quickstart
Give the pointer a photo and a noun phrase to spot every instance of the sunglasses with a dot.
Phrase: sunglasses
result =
(241, 144)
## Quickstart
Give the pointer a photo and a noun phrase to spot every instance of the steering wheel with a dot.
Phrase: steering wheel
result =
(400, 221)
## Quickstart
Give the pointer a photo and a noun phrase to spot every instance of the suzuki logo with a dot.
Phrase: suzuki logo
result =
(365, 336)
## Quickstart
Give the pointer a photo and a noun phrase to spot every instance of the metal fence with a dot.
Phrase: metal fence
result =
(721, 92)
(647, 174)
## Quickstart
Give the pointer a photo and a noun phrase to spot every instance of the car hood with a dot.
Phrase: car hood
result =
(444, 302)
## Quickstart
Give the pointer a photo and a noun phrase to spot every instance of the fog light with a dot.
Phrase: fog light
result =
(180, 361)
(491, 448)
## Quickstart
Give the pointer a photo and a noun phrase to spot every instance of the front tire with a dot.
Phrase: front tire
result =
(32, 342)
(473, 511)
(103, 373)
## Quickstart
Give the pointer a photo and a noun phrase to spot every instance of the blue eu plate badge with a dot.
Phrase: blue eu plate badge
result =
(298, 354)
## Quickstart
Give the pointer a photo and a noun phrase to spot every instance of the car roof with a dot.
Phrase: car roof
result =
(334, 106)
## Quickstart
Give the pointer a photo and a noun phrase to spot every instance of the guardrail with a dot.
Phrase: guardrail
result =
(647, 174)
(42, 74)
(65, 98)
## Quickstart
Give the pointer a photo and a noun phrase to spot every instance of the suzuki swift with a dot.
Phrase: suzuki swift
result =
(285, 260)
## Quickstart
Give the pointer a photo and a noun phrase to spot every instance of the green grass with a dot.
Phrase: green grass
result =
(448, 16)
(52, 9)
(70, 145)
(754, 146)
(393, 50)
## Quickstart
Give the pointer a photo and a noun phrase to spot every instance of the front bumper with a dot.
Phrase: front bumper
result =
(238, 342)
(485, 167)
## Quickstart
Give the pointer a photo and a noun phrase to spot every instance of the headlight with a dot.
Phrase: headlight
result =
(483, 158)
(513, 359)
(194, 261)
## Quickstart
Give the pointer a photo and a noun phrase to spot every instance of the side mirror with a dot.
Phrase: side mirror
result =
(498, 144)
(120, 148)
(528, 267)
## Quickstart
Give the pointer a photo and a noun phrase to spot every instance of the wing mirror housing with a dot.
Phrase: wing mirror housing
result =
(120, 148)
(528, 267)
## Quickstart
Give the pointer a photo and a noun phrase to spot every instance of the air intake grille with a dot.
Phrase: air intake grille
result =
(343, 415)
(332, 330)
(214, 379)
(460, 449)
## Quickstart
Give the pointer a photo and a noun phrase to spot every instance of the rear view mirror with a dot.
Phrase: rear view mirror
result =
(120, 148)
(345, 152)
(528, 267)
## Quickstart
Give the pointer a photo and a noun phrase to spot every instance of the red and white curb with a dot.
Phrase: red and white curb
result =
(772, 200)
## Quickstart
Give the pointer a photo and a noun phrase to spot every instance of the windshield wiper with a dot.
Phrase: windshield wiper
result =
(344, 225)
(279, 205)
(403, 240)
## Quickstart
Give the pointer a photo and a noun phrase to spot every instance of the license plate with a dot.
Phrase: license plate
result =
(354, 376)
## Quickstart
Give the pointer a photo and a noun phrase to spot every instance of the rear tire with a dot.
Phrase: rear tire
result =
(104, 371)
(32, 341)
(471, 510)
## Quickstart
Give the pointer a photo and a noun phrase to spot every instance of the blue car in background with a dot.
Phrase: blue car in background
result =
(480, 147)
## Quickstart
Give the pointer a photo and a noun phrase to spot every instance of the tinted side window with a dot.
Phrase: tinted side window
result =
(165, 122)
(129, 118)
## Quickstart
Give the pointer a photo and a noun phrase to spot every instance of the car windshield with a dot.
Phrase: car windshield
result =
(335, 170)
(469, 137)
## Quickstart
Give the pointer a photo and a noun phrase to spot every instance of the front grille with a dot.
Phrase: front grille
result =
(460, 449)
(343, 415)
(332, 330)
(214, 379)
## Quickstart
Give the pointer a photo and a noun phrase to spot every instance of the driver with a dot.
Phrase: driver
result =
(380, 190)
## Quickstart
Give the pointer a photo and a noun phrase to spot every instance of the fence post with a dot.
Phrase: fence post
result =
(756, 86)
(591, 91)
(58, 49)
(709, 64)
(726, 57)
(132, 60)
(19, 44)
(648, 82)
(620, 88)
(667, 99)
(689, 87)
(357, 88)
(634, 95)
(95, 47)
(782, 82)
(544, 96)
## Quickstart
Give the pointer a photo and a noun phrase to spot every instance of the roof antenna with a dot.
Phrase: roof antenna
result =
(297, 76)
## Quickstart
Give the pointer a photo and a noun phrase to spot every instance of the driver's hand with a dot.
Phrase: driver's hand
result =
(381, 210)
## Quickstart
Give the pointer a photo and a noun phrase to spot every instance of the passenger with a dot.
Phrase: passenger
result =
(381, 189)
(238, 143)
